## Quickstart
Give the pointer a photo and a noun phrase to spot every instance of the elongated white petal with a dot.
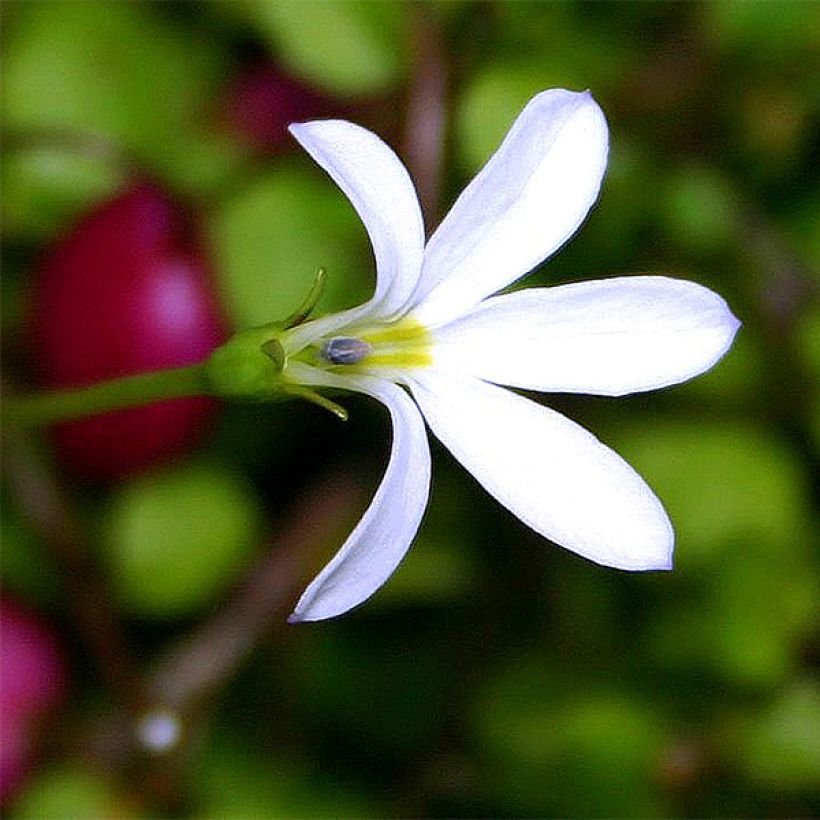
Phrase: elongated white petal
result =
(524, 204)
(550, 472)
(379, 187)
(380, 540)
(609, 337)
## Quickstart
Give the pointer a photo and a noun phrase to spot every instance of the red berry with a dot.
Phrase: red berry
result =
(260, 103)
(127, 291)
(32, 683)
(32, 675)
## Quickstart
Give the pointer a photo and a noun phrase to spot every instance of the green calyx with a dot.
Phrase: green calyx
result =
(248, 366)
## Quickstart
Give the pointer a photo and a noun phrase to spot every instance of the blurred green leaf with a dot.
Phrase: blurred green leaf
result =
(545, 50)
(176, 539)
(699, 208)
(122, 75)
(392, 699)
(345, 46)
(69, 791)
(780, 746)
(628, 203)
(807, 333)
(44, 188)
(767, 31)
(740, 506)
(721, 483)
(737, 379)
(807, 336)
(27, 569)
(271, 238)
(747, 624)
(802, 228)
(437, 571)
(557, 747)
(233, 780)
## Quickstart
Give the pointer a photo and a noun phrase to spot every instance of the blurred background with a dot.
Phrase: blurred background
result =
(153, 203)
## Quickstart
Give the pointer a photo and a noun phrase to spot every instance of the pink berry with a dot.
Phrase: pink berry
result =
(126, 291)
(260, 103)
(32, 673)
(32, 682)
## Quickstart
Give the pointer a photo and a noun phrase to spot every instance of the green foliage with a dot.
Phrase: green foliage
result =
(121, 76)
(234, 780)
(751, 535)
(347, 47)
(778, 747)
(27, 568)
(763, 494)
(366, 696)
(700, 209)
(748, 26)
(45, 187)
(270, 239)
(440, 568)
(488, 107)
(69, 791)
(567, 749)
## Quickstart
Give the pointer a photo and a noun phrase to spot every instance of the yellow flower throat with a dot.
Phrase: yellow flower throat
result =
(401, 345)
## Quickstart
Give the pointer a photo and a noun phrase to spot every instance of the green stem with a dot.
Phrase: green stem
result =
(144, 388)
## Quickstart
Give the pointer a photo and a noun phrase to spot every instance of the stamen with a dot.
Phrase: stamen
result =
(345, 350)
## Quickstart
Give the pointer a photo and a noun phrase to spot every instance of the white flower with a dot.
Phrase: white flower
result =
(434, 327)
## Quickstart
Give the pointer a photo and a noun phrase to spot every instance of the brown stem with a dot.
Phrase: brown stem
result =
(205, 661)
(427, 111)
(789, 285)
(194, 669)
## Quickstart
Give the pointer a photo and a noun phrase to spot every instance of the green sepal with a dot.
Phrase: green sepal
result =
(248, 366)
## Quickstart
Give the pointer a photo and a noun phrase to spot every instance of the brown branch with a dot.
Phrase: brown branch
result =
(788, 283)
(195, 669)
(426, 111)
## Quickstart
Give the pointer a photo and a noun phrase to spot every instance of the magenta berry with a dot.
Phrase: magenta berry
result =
(32, 683)
(127, 291)
(260, 103)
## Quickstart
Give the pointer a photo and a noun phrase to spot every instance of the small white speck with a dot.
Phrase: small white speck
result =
(159, 730)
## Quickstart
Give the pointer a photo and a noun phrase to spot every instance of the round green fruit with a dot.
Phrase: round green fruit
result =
(176, 540)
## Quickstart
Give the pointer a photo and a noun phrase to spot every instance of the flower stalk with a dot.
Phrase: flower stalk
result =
(51, 407)
(248, 366)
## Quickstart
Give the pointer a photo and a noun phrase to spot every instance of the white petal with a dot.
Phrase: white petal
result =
(380, 540)
(550, 472)
(523, 205)
(610, 337)
(379, 187)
